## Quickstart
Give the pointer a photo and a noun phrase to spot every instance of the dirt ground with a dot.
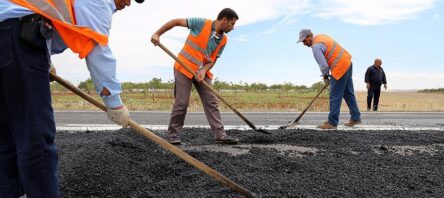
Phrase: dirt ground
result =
(291, 163)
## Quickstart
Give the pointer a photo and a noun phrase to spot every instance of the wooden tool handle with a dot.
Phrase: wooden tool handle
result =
(206, 85)
(160, 141)
(312, 101)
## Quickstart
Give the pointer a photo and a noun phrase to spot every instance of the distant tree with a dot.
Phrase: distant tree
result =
(221, 85)
(317, 86)
(155, 83)
(87, 85)
(287, 86)
(258, 87)
(57, 87)
(439, 90)
(168, 85)
(300, 88)
(276, 87)
(129, 85)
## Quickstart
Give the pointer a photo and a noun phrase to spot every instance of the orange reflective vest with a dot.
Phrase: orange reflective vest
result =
(80, 40)
(193, 52)
(338, 59)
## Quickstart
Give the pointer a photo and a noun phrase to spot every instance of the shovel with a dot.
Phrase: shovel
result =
(161, 142)
(207, 86)
(293, 123)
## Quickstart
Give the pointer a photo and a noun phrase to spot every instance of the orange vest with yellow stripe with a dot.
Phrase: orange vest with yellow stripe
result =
(193, 52)
(80, 40)
(338, 59)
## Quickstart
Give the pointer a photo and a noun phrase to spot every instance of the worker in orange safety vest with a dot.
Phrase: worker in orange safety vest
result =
(202, 48)
(337, 69)
(31, 31)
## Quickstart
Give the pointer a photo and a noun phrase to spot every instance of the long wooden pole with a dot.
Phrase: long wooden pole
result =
(160, 141)
(207, 86)
(295, 122)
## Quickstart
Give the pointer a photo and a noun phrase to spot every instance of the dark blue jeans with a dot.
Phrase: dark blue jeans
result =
(343, 88)
(28, 157)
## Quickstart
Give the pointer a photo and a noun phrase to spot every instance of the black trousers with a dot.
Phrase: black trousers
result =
(374, 91)
(28, 156)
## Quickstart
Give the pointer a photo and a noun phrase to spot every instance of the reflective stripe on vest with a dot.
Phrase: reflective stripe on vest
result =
(330, 53)
(66, 11)
(194, 51)
(59, 11)
(194, 46)
(338, 59)
(191, 58)
(81, 40)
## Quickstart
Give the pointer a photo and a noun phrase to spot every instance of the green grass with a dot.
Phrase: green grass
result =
(258, 101)
(163, 101)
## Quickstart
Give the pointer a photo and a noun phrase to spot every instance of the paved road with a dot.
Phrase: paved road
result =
(410, 119)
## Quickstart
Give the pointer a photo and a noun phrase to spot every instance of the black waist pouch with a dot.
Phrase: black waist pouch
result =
(35, 31)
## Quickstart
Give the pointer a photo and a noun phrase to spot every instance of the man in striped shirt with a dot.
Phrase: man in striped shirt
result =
(203, 46)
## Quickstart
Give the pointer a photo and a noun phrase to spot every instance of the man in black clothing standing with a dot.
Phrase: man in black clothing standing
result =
(375, 77)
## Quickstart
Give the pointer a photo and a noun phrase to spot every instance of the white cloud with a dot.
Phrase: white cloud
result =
(372, 12)
(133, 27)
(288, 11)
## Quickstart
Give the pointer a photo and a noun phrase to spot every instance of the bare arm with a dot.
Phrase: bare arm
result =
(167, 26)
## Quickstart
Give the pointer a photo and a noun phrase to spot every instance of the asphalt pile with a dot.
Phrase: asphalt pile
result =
(346, 164)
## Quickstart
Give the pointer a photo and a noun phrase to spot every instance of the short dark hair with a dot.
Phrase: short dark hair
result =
(227, 13)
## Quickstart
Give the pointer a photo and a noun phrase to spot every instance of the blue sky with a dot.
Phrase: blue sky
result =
(405, 34)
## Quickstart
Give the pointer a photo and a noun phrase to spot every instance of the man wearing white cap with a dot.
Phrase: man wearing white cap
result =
(337, 68)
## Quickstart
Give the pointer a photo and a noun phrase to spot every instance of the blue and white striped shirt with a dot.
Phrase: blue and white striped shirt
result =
(97, 15)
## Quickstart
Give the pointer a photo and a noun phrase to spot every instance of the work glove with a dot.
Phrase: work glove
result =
(326, 79)
(119, 116)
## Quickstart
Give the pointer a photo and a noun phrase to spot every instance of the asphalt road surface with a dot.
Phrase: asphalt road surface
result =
(289, 163)
(401, 119)
(389, 155)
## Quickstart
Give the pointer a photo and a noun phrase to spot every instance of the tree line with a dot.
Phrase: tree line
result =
(439, 90)
(157, 84)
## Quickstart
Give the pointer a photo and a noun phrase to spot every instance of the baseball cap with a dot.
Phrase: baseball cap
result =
(303, 34)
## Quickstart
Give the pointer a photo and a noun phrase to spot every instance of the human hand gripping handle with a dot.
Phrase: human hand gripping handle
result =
(119, 115)
(161, 142)
(201, 75)
(326, 79)
(155, 39)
